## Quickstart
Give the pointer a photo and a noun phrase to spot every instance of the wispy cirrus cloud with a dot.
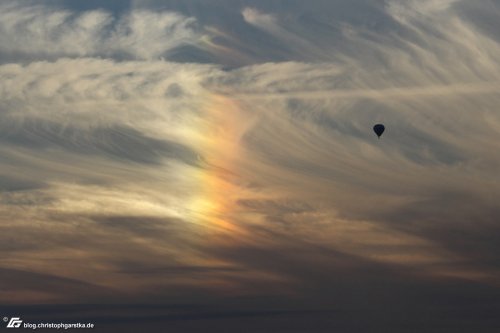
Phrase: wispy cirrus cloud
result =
(256, 177)
(40, 31)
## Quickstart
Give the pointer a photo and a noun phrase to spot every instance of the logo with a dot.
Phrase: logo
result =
(15, 322)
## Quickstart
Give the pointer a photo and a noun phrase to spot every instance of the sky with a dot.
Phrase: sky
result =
(210, 166)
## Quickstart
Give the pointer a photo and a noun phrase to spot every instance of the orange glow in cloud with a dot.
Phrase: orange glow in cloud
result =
(220, 143)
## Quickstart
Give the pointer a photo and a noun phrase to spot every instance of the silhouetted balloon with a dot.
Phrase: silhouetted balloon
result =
(379, 129)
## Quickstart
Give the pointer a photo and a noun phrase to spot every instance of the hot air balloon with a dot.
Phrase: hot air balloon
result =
(379, 129)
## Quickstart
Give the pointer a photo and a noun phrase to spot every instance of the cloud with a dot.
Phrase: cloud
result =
(258, 182)
(28, 286)
(289, 40)
(12, 184)
(418, 9)
(253, 16)
(113, 142)
(34, 31)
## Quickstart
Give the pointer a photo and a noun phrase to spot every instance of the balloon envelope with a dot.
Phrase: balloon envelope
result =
(379, 129)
